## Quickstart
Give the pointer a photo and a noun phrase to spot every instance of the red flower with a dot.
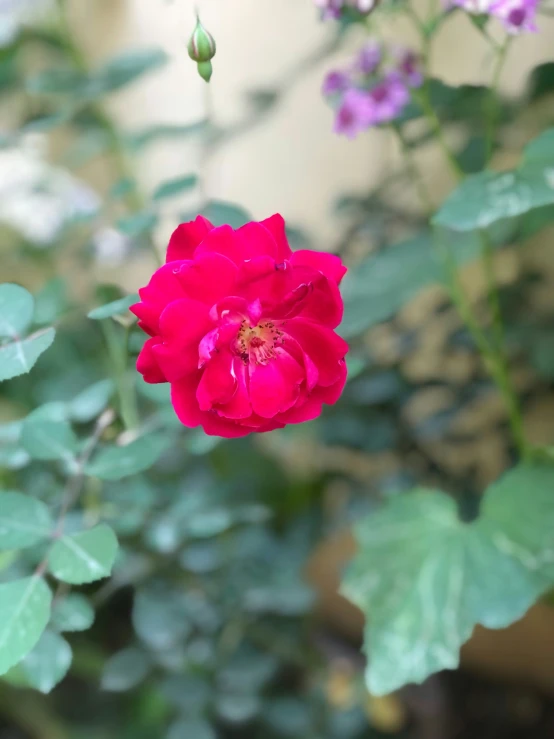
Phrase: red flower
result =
(242, 328)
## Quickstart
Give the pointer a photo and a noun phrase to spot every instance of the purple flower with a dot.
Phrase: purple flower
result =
(369, 58)
(387, 99)
(330, 8)
(335, 82)
(409, 67)
(354, 114)
(517, 15)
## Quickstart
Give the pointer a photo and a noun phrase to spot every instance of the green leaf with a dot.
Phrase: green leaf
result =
(424, 579)
(137, 224)
(16, 310)
(19, 357)
(125, 670)
(195, 728)
(175, 187)
(84, 557)
(48, 663)
(57, 81)
(124, 69)
(51, 302)
(88, 404)
(160, 132)
(24, 521)
(44, 439)
(116, 308)
(384, 282)
(24, 614)
(117, 462)
(159, 617)
(485, 198)
(221, 213)
(73, 612)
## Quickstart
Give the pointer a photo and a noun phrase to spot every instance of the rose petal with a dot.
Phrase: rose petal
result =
(276, 226)
(186, 238)
(328, 264)
(323, 346)
(208, 278)
(147, 363)
(185, 321)
(274, 386)
(217, 384)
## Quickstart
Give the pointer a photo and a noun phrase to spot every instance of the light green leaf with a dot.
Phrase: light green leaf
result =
(72, 613)
(137, 224)
(88, 404)
(424, 579)
(48, 663)
(485, 198)
(51, 302)
(24, 614)
(160, 132)
(24, 521)
(84, 557)
(44, 439)
(125, 670)
(175, 187)
(124, 69)
(115, 308)
(16, 310)
(195, 728)
(117, 462)
(19, 357)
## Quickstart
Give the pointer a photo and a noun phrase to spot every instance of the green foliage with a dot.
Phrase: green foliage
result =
(24, 521)
(44, 439)
(24, 613)
(125, 670)
(84, 557)
(485, 198)
(115, 308)
(48, 663)
(424, 578)
(115, 463)
(72, 612)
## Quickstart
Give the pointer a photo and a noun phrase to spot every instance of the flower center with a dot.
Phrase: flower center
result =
(257, 344)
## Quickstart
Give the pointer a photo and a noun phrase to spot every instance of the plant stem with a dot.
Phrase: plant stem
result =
(421, 187)
(117, 351)
(500, 52)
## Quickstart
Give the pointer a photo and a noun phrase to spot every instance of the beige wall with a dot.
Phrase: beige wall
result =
(291, 162)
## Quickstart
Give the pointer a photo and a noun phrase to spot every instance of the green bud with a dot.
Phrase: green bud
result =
(201, 45)
(205, 70)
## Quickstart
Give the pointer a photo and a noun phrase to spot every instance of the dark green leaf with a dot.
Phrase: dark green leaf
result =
(44, 439)
(88, 404)
(125, 670)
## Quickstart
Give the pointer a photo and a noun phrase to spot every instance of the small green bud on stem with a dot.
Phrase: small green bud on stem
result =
(202, 49)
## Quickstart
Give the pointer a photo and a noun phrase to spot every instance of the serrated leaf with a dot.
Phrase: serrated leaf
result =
(485, 198)
(424, 579)
(24, 521)
(73, 612)
(89, 403)
(46, 440)
(48, 663)
(16, 310)
(84, 557)
(117, 462)
(19, 357)
(115, 308)
(24, 614)
(125, 670)
(174, 187)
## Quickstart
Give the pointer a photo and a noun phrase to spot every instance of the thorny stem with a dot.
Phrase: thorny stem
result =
(134, 199)
(491, 351)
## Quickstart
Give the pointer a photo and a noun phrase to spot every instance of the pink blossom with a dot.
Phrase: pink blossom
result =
(242, 328)
(517, 15)
(335, 82)
(369, 58)
(354, 114)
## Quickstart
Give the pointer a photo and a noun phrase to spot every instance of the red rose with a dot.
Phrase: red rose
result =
(242, 328)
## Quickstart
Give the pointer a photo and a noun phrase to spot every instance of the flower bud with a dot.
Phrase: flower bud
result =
(205, 70)
(201, 45)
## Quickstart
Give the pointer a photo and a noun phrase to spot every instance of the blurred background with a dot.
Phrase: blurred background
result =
(223, 618)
